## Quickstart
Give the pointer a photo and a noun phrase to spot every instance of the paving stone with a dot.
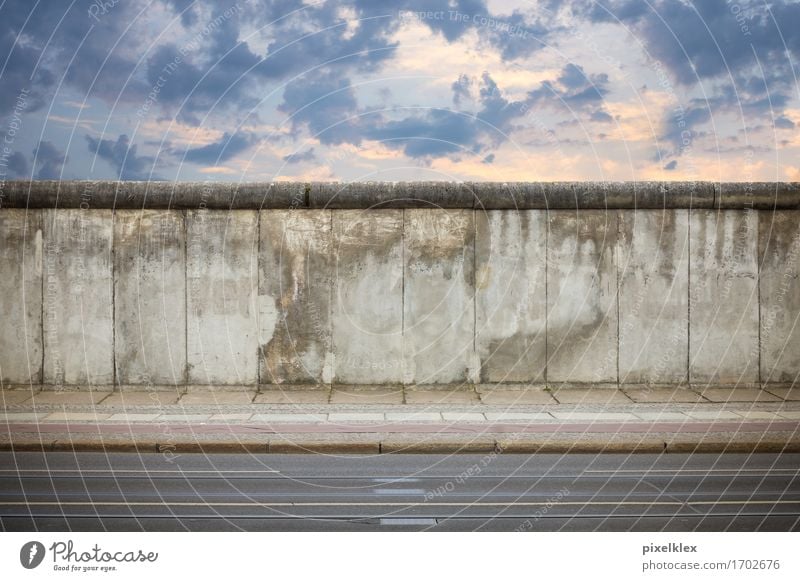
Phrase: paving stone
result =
(289, 418)
(133, 417)
(737, 394)
(8, 396)
(70, 397)
(594, 417)
(443, 397)
(21, 417)
(218, 398)
(367, 396)
(790, 415)
(715, 415)
(661, 395)
(230, 417)
(517, 416)
(785, 393)
(591, 396)
(758, 415)
(663, 416)
(356, 417)
(463, 417)
(75, 417)
(137, 398)
(414, 417)
(516, 396)
(184, 417)
(311, 396)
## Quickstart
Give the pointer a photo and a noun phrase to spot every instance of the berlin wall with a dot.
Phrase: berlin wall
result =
(118, 285)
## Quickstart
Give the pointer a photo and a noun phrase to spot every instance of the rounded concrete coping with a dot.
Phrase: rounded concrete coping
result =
(378, 195)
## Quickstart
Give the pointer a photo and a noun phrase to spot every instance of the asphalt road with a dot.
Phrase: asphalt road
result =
(674, 492)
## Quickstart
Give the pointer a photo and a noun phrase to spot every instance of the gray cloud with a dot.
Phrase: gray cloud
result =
(227, 147)
(121, 155)
(50, 160)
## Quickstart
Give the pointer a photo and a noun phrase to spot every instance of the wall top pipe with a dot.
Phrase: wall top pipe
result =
(378, 195)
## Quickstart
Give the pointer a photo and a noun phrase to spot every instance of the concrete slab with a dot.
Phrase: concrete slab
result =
(289, 418)
(70, 397)
(414, 417)
(595, 416)
(663, 416)
(712, 415)
(15, 396)
(510, 295)
(723, 330)
(663, 395)
(139, 398)
(294, 296)
(134, 417)
(463, 417)
(439, 301)
(518, 416)
(653, 265)
(516, 397)
(218, 398)
(76, 417)
(758, 415)
(184, 417)
(368, 296)
(10, 417)
(591, 396)
(21, 288)
(222, 288)
(582, 296)
(78, 297)
(785, 393)
(441, 397)
(779, 292)
(230, 417)
(150, 297)
(314, 396)
(366, 396)
(737, 394)
(356, 417)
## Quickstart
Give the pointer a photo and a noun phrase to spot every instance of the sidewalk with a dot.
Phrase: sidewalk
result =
(373, 421)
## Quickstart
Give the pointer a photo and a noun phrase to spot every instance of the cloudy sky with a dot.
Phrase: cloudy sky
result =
(377, 90)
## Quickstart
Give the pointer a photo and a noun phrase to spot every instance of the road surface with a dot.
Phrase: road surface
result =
(486, 492)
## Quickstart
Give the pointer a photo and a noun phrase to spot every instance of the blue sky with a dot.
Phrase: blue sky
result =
(374, 90)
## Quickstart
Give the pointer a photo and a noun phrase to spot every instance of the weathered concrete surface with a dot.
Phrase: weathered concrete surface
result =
(510, 295)
(222, 289)
(294, 296)
(439, 306)
(592, 195)
(363, 195)
(723, 326)
(92, 194)
(758, 195)
(368, 296)
(78, 297)
(21, 292)
(382, 195)
(779, 279)
(653, 264)
(150, 297)
(582, 296)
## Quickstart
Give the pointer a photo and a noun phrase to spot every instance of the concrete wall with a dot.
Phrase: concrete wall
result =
(103, 298)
